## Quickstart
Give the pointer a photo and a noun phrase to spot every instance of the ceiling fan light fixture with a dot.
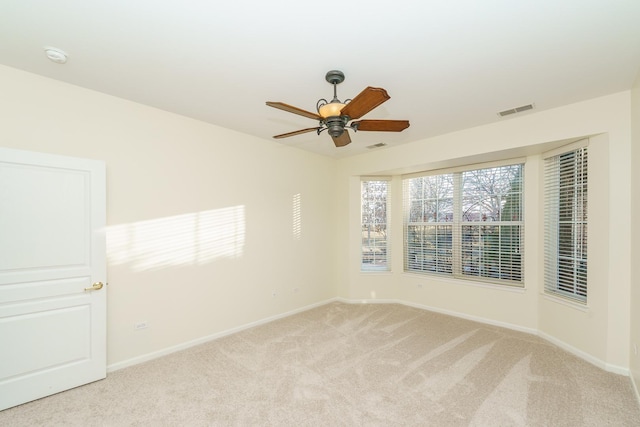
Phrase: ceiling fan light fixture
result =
(332, 109)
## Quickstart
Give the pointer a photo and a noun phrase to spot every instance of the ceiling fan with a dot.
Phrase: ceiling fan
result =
(336, 117)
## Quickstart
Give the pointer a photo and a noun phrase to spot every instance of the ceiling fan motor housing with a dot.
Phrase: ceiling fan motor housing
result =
(335, 125)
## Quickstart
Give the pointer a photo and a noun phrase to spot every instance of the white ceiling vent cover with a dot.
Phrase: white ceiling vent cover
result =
(516, 110)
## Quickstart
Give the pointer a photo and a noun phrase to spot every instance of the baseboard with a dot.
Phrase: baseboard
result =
(466, 316)
(441, 311)
(576, 352)
(585, 356)
(366, 301)
(183, 346)
(635, 387)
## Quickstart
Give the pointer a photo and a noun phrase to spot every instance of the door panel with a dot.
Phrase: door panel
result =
(44, 218)
(45, 328)
(52, 247)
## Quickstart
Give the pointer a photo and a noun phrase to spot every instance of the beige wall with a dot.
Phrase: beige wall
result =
(164, 173)
(634, 352)
(598, 332)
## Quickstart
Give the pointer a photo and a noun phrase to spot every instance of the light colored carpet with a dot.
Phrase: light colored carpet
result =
(351, 365)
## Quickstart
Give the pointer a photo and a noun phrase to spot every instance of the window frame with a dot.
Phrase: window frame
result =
(456, 222)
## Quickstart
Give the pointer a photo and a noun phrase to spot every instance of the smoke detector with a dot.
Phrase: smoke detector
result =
(56, 55)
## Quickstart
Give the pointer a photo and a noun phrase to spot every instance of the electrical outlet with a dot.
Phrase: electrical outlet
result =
(140, 325)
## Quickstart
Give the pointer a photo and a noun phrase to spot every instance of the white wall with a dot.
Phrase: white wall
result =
(634, 352)
(598, 332)
(173, 181)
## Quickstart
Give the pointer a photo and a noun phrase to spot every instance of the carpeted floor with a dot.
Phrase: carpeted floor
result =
(351, 365)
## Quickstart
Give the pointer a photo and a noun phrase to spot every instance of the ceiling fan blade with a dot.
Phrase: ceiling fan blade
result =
(294, 110)
(364, 102)
(297, 132)
(342, 140)
(381, 125)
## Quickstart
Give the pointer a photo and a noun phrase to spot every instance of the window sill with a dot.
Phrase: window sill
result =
(377, 272)
(467, 282)
(566, 302)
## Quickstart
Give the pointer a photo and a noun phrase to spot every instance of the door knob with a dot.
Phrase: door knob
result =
(95, 287)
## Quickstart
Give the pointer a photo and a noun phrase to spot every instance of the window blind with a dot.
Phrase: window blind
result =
(375, 210)
(492, 229)
(565, 221)
(467, 224)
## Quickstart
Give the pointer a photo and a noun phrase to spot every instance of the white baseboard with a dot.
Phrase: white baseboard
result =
(635, 387)
(183, 346)
(576, 352)
(473, 318)
(585, 356)
(366, 301)
(441, 311)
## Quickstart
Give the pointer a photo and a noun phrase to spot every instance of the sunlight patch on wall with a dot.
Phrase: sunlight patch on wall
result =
(190, 239)
(297, 217)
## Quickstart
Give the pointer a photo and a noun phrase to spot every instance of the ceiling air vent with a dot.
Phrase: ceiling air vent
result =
(378, 145)
(516, 110)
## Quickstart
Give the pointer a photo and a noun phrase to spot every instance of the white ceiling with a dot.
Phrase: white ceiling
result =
(447, 65)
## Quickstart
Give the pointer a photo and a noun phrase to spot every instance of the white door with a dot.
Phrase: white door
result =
(52, 252)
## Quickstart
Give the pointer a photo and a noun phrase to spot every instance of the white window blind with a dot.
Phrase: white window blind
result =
(565, 218)
(428, 224)
(466, 224)
(375, 219)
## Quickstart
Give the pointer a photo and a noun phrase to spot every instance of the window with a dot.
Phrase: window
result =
(565, 223)
(466, 224)
(375, 237)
